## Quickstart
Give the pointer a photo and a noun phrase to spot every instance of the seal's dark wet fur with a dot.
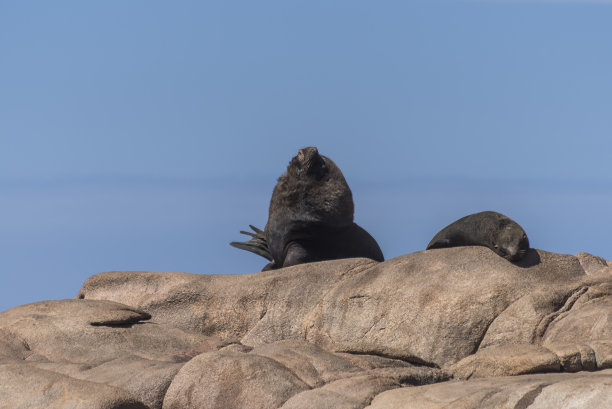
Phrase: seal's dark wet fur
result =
(490, 229)
(310, 217)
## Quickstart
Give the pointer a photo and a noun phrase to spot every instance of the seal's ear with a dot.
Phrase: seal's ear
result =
(439, 244)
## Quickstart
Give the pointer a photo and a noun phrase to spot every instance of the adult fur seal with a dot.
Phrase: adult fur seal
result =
(490, 229)
(310, 217)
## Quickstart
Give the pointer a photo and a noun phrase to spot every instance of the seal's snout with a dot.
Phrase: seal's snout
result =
(308, 163)
(307, 154)
(512, 253)
(309, 159)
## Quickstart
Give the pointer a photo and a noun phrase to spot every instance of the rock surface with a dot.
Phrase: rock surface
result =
(543, 391)
(24, 386)
(457, 327)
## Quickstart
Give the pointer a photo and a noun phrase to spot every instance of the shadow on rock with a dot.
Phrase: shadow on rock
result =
(532, 258)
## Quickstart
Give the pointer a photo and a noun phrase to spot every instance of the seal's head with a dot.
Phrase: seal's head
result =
(308, 163)
(313, 190)
(511, 243)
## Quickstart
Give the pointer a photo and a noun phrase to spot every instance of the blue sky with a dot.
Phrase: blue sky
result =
(143, 135)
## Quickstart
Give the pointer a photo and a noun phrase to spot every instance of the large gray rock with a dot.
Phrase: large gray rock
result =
(295, 374)
(349, 393)
(23, 386)
(592, 309)
(464, 298)
(226, 306)
(98, 341)
(94, 332)
(232, 380)
(443, 308)
(584, 390)
(310, 363)
(336, 334)
(12, 348)
(507, 360)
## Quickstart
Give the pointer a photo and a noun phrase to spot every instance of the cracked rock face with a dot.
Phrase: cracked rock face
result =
(457, 327)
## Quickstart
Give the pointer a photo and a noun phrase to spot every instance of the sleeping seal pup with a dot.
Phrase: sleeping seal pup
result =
(490, 229)
(310, 217)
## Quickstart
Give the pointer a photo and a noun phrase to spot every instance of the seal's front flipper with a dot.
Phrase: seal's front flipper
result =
(253, 248)
(439, 244)
(297, 253)
(270, 266)
(257, 244)
(258, 232)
